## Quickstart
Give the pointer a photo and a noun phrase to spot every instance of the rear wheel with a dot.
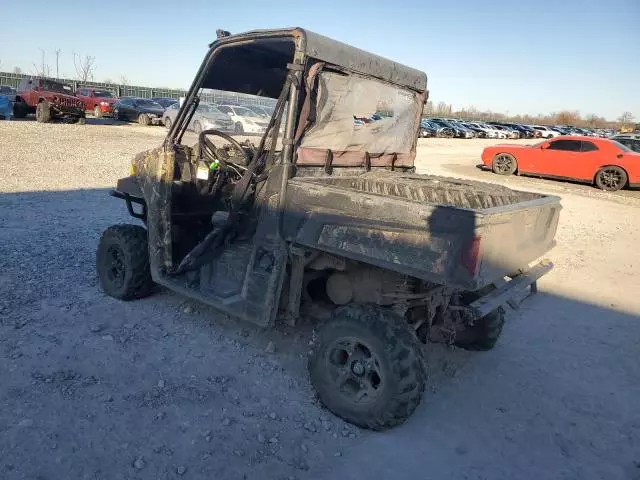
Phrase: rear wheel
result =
(504, 164)
(367, 367)
(122, 262)
(43, 112)
(611, 178)
(20, 110)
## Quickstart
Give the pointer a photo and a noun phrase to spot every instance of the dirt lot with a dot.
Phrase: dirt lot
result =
(93, 388)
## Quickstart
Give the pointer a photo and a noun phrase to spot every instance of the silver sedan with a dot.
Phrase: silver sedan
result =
(206, 117)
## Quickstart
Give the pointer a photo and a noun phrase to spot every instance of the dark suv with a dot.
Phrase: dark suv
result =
(48, 99)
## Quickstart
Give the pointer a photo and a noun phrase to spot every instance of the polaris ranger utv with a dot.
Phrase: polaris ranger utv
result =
(325, 217)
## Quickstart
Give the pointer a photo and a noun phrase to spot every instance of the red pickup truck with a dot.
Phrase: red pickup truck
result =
(48, 99)
(96, 100)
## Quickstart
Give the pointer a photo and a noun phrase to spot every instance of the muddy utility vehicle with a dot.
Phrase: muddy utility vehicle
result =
(48, 99)
(328, 219)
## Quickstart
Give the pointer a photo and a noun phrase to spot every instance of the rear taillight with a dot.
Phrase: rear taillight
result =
(470, 256)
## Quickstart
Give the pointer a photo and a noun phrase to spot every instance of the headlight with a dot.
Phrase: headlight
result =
(104, 104)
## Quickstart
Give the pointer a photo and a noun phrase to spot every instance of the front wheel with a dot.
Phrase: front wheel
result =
(367, 367)
(122, 262)
(143, 119)
(43, 112)
(611, 178)
(239, 129)
(504, 164)
(167, 123)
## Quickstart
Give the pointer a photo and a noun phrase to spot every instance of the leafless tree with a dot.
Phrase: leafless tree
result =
(626, 119)
(85, 66)
(124, 80)
(17, 70)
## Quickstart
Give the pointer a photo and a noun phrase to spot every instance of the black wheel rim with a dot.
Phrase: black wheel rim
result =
(115, 266)
(611, 178)
(503, 163)
(354, 370)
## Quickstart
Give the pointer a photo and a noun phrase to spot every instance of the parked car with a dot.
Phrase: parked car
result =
(8, 92)
(480, 133)
(48, 99)
(546, 132)
(508, 132)
(165, 102)
(245, 120)
(206, 117)
(428, 129)
(260, 111)
(97, 100)
(630, 140)
(141, 110)
(459, 131)
(606, 163)
(7, 99)
(523, 130)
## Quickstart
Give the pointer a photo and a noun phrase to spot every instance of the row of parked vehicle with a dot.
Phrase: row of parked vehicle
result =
(454, 128)
(50, 100)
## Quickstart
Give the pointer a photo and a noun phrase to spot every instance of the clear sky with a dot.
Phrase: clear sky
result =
(513, 56)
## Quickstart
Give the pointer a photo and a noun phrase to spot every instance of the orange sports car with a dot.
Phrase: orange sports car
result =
(605, 163)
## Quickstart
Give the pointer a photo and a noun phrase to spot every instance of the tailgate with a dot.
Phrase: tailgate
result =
(509, 238)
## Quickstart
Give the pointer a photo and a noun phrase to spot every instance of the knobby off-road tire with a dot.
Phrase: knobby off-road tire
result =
(20, 110)
(122, 262)
(484, 334)
(367, 367)
(43, 112)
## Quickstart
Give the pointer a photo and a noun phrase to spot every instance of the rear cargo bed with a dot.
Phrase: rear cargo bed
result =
(454, 232)
(434, 190)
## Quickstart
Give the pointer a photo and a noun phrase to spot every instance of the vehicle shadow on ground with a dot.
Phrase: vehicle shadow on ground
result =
(99, 383)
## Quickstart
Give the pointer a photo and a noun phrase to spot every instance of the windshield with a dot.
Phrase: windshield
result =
(56, 87)
(622, 147)
(147, 103)
(103, 93)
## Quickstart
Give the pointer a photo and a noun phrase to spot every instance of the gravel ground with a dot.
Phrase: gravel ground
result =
(94, 388)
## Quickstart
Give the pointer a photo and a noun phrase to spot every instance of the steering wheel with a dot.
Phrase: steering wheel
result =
(205, 144)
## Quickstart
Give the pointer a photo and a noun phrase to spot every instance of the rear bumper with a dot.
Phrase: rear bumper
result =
(506, 292)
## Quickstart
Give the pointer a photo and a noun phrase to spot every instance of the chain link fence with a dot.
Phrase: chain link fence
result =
(213, 96)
